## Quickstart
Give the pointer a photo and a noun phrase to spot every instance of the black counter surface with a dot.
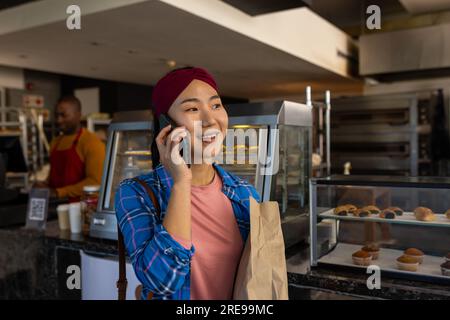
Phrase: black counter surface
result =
(28, 259)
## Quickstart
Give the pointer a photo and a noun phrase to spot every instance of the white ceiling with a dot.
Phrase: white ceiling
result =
(132, 43)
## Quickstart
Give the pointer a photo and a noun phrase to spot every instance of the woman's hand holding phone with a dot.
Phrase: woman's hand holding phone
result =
(168, 142)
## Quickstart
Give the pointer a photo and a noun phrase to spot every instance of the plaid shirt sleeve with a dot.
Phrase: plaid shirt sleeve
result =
(254, 194)
(160, 262)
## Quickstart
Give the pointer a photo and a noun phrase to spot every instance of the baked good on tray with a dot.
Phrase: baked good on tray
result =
(398, 211)
(345, 209)
(362, 213)
(445, 268)
(424, 214)
(415, 254)
(351, 208)
(373, 250)
(372, 209)
(341, 211)
(447, 214)
(387, 214)
(407, 263)
(361, 258)
(447, 257)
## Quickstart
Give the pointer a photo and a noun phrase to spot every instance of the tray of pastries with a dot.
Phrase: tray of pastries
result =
(419, 216)
(409, 260)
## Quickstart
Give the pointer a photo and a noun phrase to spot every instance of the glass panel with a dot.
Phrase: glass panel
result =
(418, 221)
(244, 152)
(290, 186)
(131, 157)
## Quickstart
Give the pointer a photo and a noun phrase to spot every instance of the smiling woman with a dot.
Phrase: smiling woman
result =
(191, 248)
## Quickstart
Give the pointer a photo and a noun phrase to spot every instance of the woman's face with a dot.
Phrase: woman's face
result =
(199, 106)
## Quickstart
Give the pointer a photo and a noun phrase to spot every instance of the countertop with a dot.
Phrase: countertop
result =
(33, 273)
(29, 259)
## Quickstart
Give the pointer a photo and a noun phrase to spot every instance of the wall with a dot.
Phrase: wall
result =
(119, 96)
(43, 84)
(114, 96)
(11, 77)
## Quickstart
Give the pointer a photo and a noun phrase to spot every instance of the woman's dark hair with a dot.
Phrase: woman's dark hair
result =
(156, 129)
(154, 148)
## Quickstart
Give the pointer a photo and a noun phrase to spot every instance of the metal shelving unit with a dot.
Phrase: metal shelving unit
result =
(384, 134)
(28, 125)
(321, 132)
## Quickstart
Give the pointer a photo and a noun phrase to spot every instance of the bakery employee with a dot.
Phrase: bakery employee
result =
(76, 155)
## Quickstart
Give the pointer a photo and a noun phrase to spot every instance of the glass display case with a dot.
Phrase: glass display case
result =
(128, 154)
(400, 224)
(275, 156)
(268, 144)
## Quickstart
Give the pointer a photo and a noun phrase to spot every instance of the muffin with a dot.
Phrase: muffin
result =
(424, 214)
(361, 258)
(415, 254)
(372, 209)
(447, 257)
(362, 213)
(445, 268)
(407, 263)
(387, 214)
(373, 250)
(397, 210)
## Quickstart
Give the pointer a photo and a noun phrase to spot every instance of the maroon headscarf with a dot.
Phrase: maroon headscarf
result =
(169, 87)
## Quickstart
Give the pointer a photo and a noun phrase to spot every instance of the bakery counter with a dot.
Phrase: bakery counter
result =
(348, 284)
(33, 265)
(56, 237)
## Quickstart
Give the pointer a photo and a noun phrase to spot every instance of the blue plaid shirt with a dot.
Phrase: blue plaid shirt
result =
(161, 264)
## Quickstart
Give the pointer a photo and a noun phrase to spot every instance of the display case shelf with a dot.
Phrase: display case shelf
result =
(406, 218)
(387, 261)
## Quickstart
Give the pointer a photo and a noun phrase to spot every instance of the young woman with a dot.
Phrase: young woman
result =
(193, 249)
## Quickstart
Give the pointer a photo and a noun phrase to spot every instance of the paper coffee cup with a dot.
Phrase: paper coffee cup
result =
(75, 217)
(63, 216)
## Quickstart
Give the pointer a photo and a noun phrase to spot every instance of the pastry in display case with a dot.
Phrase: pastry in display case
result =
(399, 224)
(270, 145)
(128, 154)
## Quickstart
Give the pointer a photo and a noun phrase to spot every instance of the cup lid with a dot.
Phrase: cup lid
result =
(91, 188)
(62, 207)
(74, 205)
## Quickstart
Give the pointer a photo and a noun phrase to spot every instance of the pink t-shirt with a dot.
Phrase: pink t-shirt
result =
(217, 241)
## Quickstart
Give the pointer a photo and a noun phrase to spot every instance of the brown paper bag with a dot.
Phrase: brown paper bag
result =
(262, 271)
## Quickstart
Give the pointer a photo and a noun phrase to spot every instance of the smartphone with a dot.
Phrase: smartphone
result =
(164, 121)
